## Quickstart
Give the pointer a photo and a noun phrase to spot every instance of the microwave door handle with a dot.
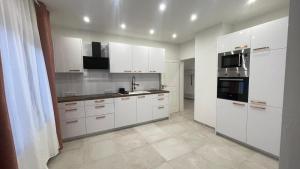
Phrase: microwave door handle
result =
(240, 80)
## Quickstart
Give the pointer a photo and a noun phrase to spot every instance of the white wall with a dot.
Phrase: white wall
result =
(187, 50)
(290, 147)
(206, 62)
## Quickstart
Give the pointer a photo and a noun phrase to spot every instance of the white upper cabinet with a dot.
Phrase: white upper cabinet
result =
(271, 35)
(126, 58)
(267, 74)
(156, 60)
(140, 59)
(67, 54)
(264, 128)
(232, 119)
(235, 41)
(120, 56)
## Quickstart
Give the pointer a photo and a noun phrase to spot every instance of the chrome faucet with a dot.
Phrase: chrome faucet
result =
(133, 84)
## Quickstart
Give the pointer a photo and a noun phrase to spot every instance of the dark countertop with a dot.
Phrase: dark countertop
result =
(105, 96)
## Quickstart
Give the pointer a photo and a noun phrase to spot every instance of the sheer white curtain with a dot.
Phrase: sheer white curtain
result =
(26, 85)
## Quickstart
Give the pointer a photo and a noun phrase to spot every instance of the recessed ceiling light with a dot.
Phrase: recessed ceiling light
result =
(194, 17)
(251, 2)
(86, 19)
(174, 36)
(123, 26)
(151, 31)
(162, 7)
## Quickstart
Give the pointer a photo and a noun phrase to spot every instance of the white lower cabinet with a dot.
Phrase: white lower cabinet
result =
(99, 123)
(125, 111)
(144, 108)
(264, 128)
(160, 106)
(73, 128)
(232, 119)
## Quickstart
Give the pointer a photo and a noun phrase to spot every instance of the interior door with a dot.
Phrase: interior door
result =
(170, 79)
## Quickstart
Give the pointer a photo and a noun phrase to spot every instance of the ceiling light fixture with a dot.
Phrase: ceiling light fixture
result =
(152, 31)
(162, 7)
(123, 26)
(174, 36)
(251, 2)
(194, 17)
(86, 19)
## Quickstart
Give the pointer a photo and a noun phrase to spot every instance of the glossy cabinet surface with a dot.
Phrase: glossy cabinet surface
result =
(144, 108)
(156, 60)
(68, 55)
(235, 41)
(232, 119)
(120, 58)
(125, 111)
(140, 59)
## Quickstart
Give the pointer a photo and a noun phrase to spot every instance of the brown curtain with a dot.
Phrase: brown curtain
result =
(43, 21)
(7, 149)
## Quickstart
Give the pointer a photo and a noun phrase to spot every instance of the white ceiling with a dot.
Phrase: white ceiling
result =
(141, 15)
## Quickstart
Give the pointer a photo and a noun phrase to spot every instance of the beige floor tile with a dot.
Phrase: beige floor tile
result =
(172, 148)
(112, 162)
(259, 161)
(73, 159)
(164, 166)
(100, 150)
(143, 158)
(130, 141)
(174, 129)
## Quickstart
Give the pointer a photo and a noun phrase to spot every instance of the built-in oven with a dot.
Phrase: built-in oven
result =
(234, 63)
(233, 88)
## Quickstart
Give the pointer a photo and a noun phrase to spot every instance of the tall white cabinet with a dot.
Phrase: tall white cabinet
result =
(258, 122)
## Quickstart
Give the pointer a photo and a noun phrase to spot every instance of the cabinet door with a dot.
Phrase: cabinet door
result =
(267, 74)
(264, 128)
(120, 58)
(234, 41)
(140, 59)
(144, 108)
(73, 128)
(156, 60)
(271, 35)
(68, 54)
(232, 119)
(125, 111)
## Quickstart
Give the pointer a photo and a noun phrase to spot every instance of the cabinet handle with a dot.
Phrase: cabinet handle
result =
(74, 70)
(263, 48)
(238, 104)
(70, 110)
(100, 117)
(161, 107)
(258, 107)
(263, 103)
(99, 101)
(125, 98)
(99, 107)
(70, 104)
(241, 47)
(161, 99)
(127, 71)
(71, 122)
(160, 94)
(141, 97)
(140, 71)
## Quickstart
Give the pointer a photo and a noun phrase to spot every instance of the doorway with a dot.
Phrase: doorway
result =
(189, 87)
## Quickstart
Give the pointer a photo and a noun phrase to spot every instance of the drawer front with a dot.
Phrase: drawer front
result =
(100, 123)
(71, 105)
(160, 112)
(160, 99)
(98, 102)
(97, 110)
(73, 128)
(72, 113)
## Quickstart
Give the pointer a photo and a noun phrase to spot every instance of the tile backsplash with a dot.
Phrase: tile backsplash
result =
(101, 81)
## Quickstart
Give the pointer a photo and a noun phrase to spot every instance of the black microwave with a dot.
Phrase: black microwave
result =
(233, 88)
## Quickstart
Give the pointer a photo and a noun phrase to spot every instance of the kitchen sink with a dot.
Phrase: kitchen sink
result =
(139, 92)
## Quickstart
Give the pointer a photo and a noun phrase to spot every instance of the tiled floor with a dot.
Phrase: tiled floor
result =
(177, 143)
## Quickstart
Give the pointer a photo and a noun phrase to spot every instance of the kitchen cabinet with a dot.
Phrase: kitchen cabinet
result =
(68, 55)
(120, 57)
(73, 127)
(99, 123)
(267, 74)
(270, 36)
(160, 106)
(125, 111)
(140, 59)
(232, 119)
(156, 60)
(144, 108)
(264, 128)
(235, 41)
